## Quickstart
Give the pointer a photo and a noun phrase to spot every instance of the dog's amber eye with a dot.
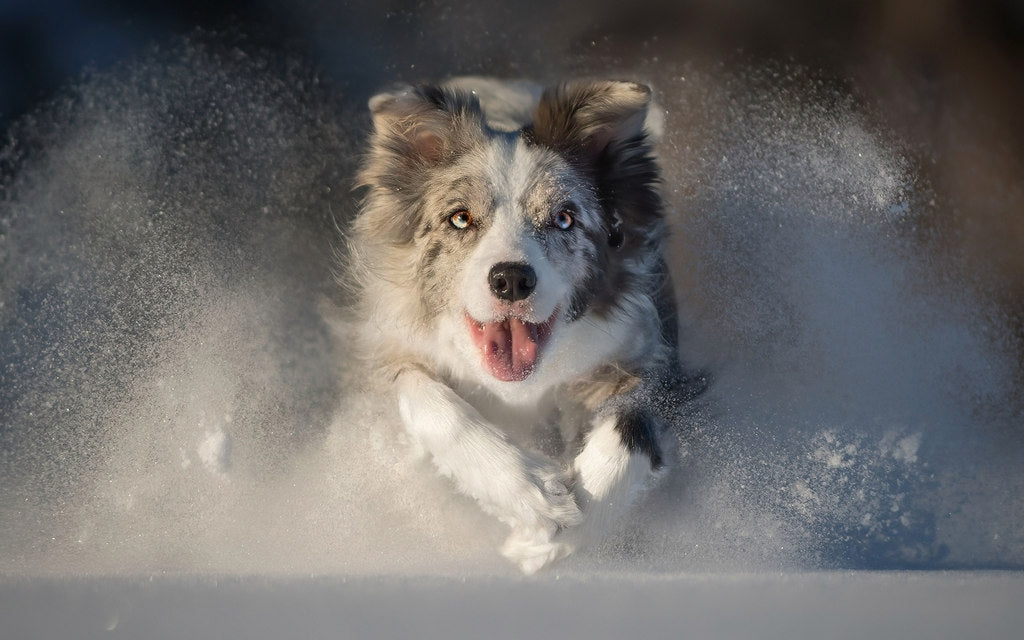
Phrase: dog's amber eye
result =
(460, 219)
(563, 220)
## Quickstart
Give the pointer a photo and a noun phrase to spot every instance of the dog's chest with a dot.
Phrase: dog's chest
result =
(552, 426)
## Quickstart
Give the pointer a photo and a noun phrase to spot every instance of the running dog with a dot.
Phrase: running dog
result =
(510, 285)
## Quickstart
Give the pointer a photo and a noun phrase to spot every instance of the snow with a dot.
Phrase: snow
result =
(795, 605)
(187, 450)
(215, 451)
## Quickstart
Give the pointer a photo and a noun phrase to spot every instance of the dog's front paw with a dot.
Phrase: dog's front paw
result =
(532, 550)
(550, 509)
(553, 504)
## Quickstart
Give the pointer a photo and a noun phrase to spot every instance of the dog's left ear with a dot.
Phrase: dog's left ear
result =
(594, 121)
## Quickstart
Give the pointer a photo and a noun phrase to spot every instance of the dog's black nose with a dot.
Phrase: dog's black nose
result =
(512, 281)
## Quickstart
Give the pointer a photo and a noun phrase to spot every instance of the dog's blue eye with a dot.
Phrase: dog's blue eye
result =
(563, 220)
(460, 219)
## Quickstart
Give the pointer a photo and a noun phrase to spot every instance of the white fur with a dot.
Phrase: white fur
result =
(608, 479)
(524, 491)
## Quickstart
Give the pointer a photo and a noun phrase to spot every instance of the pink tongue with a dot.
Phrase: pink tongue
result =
(509, 348)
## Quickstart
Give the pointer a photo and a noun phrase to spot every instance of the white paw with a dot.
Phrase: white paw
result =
(550, 506)
(533, 550)
(608, 480)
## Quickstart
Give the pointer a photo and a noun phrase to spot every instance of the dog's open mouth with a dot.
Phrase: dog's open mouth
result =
(510, 348)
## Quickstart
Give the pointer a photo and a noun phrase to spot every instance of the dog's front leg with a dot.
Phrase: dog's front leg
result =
(524, 491)
(621, 455)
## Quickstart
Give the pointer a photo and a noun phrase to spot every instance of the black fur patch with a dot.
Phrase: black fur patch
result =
(639, 432)
(578, 306)
(430, 256)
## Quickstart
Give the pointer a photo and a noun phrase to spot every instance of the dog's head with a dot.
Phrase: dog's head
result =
(507, 239)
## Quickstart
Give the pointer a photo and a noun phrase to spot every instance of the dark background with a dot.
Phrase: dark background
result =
(977, 44)
(948, 75)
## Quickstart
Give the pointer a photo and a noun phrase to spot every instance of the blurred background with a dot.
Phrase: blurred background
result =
(948, 75)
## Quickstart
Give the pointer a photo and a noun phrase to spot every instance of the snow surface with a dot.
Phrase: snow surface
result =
(817, 605)
(174, 402)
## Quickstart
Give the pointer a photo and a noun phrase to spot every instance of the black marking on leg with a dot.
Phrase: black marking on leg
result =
(639, 432)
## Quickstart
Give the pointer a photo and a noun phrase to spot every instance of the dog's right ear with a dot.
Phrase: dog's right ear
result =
(423, 125)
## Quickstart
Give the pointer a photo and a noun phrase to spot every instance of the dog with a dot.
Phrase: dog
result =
(510, 286)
